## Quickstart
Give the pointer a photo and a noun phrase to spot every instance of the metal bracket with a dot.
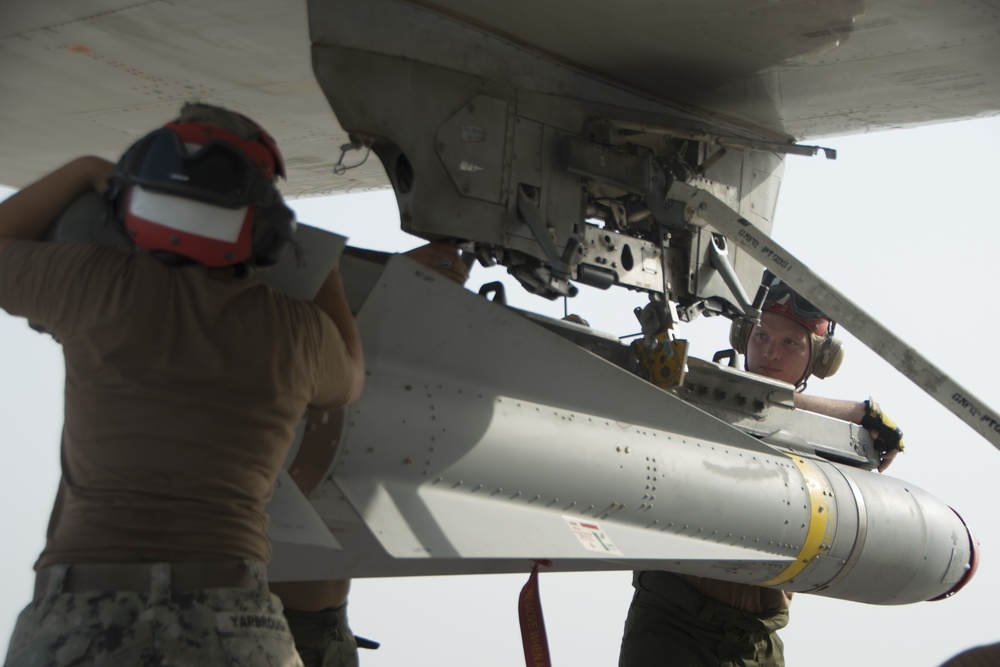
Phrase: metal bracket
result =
(660, 354)
(625, 128)
(532, 216)
(719, 257)
(615, 166)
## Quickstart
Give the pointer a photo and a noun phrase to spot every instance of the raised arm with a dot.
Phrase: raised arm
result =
(848, 411)
(332, 300)
(887, 436)
(441, 257)
(28, 214)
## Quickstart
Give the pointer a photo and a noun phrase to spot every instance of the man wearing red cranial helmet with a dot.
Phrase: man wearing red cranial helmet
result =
(683, 619)
(184, 384)
(793, 341)
(818, 354)
(203, 187)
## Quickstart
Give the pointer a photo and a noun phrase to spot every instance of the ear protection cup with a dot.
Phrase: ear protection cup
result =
(117, 185)
(827, 355)
(739, 334)
(273, 231)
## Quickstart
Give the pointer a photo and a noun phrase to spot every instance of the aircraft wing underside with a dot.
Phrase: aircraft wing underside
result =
(90, 76)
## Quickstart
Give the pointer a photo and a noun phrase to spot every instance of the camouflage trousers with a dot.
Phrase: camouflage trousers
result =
(672, 624)
(323, 638)
(116, 628)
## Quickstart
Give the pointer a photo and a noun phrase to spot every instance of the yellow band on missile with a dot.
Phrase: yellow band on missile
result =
(822, 520)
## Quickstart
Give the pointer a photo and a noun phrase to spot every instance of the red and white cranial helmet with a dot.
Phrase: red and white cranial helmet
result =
(783, 300)
(202, 186)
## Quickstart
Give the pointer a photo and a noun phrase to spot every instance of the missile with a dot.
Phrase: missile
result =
(485, 440)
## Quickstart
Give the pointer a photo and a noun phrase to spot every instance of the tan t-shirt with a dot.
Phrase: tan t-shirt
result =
(183, 389)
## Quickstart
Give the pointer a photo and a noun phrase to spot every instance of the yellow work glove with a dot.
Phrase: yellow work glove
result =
(888, 436)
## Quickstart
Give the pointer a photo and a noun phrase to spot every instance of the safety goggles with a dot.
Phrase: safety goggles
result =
(216, 172)
(784, 300)
(783, 294)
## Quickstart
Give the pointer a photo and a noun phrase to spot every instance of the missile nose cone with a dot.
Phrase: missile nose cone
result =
(972, 565)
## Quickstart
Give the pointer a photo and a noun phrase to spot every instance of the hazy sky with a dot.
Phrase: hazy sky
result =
(902, 222)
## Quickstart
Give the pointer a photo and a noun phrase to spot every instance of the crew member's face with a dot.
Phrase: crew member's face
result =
(778, 348)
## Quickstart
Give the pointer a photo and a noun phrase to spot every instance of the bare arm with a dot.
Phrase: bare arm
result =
(443, 258)
(28, 214)
(848, 411)
(332, 300)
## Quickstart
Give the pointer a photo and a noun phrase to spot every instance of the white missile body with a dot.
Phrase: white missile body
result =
(485, 441)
